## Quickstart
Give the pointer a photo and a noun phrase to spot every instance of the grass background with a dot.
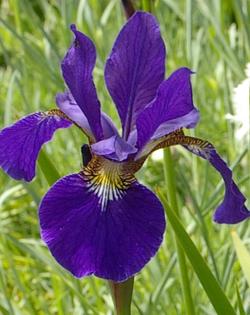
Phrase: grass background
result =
(212, 38)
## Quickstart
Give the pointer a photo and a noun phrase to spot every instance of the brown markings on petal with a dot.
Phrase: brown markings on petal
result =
(108, 179)
(195, 145)
(59, 113)
(157, 144)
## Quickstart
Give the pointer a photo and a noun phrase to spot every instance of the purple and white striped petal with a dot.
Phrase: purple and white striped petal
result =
(172, 109)
(135, 67)
(114, 241)
(21, 142)
(77, 68)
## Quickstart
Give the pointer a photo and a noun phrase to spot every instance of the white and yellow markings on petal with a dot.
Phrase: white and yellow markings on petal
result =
(107, 179)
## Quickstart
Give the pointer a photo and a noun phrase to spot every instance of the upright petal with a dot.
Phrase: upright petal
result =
(135, 68)
(172, 109)
(68, 105)
(77, 68)
(21, 143)
(112, 242)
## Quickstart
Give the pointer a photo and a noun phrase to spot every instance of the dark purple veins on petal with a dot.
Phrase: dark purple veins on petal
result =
(135, 67)
(77, 68)
(112, 244)
(21, 142)
(172, 103)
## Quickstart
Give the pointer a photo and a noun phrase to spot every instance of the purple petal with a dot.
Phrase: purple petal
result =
(77, 67)
(188, 121)
(114, 243)
(109, 129)
(172, 108)
(232, 210)
(135, 68)
(114, 148)
(21, 142)
(68, 105)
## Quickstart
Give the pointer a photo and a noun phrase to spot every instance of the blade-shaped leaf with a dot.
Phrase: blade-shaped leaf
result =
(240, 303)
(49, 170)
(243, 255)
(208, 281)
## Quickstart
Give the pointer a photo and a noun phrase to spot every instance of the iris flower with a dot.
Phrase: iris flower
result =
(102, 221)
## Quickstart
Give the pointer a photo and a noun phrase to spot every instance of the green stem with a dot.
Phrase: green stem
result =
(122, 296)
(147, 5)
(169, 173)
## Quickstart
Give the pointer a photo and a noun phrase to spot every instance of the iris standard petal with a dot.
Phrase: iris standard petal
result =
(77, 68)
(188, 121)
(68, 105)
(21, 142)
(172, 103)
(112, 242)
(135, 68)
(232, 210)
(114, 148)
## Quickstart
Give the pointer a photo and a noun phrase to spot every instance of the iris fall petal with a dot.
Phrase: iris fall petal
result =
(21, 143)
(232, 209)
(114, 243)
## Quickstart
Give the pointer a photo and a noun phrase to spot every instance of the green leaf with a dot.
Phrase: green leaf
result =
(207, 280)
(240, 303)
(243, 256)
(49, 170)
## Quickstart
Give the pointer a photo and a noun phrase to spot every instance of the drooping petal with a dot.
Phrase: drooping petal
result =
(135, 67)
(21, 142)
(172, 109)
(232, 210)
(114, 148)
(77, 68)
(68, 105)
(112, 243)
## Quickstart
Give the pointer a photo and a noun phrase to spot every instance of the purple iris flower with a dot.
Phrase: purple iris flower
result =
(101, 221)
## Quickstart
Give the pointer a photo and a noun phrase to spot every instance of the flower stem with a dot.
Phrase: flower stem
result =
(129, 9)
(122, 296)
(147, 5)
(169, 173)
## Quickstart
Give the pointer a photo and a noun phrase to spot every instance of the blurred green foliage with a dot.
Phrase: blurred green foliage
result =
(212, 38)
